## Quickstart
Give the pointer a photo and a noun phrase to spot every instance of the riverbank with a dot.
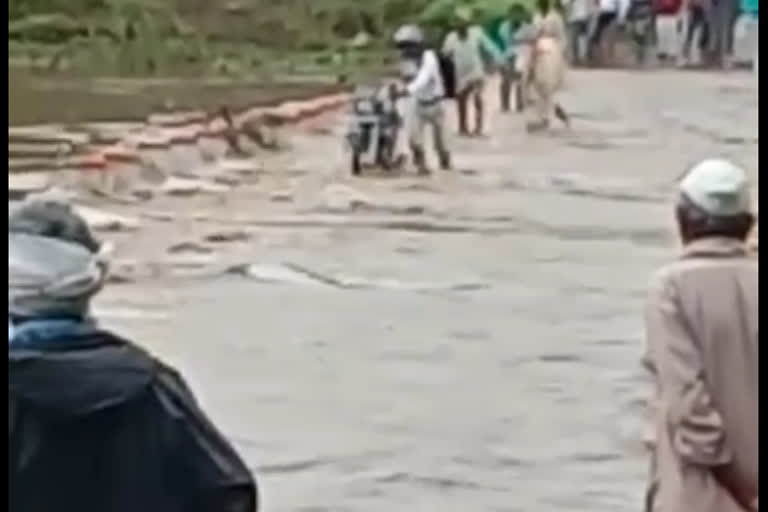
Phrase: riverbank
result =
(40, 99)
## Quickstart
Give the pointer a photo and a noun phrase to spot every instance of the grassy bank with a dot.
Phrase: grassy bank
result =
(192, 37)
(231, 37)
(104, 58)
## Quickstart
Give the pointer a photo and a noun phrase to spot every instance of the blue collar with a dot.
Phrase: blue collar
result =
(47, 332)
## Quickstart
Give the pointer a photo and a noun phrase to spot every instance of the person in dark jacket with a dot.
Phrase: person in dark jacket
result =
(95, 423)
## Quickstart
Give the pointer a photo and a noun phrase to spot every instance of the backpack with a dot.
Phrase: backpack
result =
(667, 7)
(448, 74)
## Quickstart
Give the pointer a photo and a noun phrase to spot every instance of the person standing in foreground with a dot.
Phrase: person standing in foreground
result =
(465, 46)
(420, 69)
(702, 350)
(95, 423)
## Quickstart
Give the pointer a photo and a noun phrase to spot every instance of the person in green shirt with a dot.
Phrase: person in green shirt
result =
(466, 45)
(511, 32)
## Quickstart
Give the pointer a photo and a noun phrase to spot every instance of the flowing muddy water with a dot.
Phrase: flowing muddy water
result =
(469, 342)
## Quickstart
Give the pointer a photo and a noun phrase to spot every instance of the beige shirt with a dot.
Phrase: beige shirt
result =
(702, 350)
(551, 25)
(467, 55)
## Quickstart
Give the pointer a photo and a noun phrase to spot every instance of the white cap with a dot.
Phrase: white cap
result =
(409, 34)
(718, 187)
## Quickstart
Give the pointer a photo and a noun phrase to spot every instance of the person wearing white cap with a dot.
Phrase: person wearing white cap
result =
(420, 70)
(702, 351)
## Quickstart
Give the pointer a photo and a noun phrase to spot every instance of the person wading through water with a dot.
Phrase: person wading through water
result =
(702, 352)
(511, 34)
(95, 423)
(466, 46)
(421, 71)
(546, 67)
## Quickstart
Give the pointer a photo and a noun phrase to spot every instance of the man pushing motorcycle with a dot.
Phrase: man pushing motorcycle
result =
(424, 92)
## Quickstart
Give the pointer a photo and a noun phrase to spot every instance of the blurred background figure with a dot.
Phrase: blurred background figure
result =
(722, 20)
(610, 14)
(547, 66)
(549, 23)
(578, 14)
(695, 32)
(466, 45)
(746, 34)
(668, 27)
(510, 35)
(641, 29)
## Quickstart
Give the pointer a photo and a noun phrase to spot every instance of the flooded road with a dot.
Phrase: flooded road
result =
(469, 342)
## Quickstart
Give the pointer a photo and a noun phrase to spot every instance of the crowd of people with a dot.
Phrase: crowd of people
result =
(685, 33)
(531, 51)
(528, 50)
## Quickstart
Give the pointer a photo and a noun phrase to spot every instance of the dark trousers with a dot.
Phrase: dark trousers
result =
(697, 24)
(510, 79)
(578, 40)
(721, 22)
(597, 45)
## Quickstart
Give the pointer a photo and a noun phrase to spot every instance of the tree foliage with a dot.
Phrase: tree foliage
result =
(280, 23)
(148, 36)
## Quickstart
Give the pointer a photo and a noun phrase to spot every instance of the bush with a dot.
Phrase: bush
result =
(148, 36)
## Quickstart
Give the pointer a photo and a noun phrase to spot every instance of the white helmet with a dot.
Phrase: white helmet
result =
(409, 34)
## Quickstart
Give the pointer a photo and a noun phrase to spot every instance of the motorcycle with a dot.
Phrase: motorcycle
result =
(374, 128)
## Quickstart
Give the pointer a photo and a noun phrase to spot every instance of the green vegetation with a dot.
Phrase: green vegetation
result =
(237, 38)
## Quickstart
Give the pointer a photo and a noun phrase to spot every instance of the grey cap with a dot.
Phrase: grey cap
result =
(409, 34)
(51, 218)
(719, 187)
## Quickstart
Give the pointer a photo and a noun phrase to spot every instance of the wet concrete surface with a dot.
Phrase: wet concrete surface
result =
(464, 342)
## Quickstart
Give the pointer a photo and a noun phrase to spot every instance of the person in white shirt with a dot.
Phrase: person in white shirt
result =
(465, 46)
(420, 70)
(668, 24)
